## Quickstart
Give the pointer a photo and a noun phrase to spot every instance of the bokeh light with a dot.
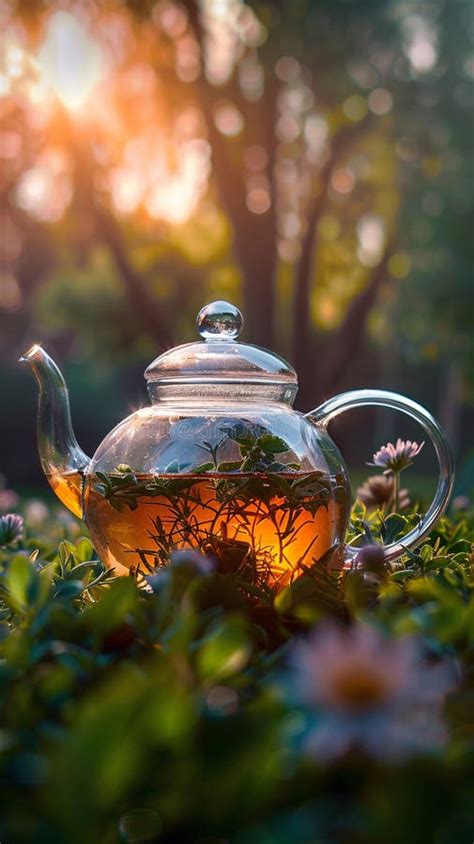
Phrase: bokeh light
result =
(420, 43)
(371, 236)
(70, 59)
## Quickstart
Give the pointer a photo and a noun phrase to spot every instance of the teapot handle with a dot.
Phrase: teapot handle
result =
(332, 408)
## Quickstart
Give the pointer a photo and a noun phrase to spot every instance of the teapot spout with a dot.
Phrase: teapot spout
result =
(63, 461)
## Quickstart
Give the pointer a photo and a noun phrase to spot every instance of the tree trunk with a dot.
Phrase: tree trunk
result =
(255, 235)
(141, 300)
(302, 358)
(347, 338)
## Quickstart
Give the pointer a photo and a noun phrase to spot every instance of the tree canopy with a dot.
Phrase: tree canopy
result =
(307, 159)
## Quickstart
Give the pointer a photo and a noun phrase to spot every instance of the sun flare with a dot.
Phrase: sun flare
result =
(71, 62)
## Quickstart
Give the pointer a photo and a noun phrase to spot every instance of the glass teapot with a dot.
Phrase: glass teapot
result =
(219, 462)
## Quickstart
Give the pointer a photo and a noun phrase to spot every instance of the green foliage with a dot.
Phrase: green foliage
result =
(159, 715)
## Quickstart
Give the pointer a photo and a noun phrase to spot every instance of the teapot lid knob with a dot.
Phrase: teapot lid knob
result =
(219, 321)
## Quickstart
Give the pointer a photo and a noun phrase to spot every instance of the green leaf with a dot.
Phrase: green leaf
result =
(283, 600)
(84, 550)
(69, 589)
(229, 466)
(18, 581)
(243, 439)
(272, 445)
(116, 602)
(225, 651)
(393, 527)
(204, 467)
(65, 552)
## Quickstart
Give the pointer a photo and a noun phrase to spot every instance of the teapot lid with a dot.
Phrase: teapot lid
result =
(220, 360)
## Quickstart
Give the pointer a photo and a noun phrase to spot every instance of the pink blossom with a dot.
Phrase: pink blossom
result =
(36, 512)
(395, 458)
(8, 497)
(379, 491)
(11, 528)
(364, 691)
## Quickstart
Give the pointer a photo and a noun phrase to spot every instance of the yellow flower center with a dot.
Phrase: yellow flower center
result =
(358, 689)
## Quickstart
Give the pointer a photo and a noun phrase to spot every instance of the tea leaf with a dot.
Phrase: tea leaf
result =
(271, 444)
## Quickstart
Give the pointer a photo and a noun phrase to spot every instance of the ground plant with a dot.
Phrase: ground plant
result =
(184, 708)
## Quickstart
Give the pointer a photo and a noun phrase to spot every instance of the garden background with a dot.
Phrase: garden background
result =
(310, 161)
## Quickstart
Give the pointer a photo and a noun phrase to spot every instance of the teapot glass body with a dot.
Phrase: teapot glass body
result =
(261, 489)
(219, 463)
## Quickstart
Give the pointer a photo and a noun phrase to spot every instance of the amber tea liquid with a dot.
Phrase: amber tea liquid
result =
(68, 488)
(263, 528)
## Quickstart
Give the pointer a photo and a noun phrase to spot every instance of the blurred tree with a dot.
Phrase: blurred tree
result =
(333, 135)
